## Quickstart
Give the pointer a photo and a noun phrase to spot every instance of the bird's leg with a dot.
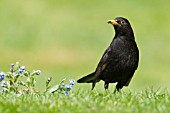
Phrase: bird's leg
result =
(93, 85)
(106, 85)
(117, 90)
(118, 87)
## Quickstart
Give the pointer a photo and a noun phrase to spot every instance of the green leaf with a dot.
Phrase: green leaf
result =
(56, 87)
(53, 89)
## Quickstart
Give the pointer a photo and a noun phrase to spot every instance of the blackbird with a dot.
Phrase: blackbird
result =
(119, 61)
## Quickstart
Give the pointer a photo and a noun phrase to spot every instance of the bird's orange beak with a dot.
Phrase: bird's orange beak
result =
(113, 22)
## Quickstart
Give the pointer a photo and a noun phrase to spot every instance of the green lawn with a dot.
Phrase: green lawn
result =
(68, 38)
(144, 101)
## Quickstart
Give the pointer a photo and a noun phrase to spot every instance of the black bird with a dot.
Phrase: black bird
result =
(119, 61)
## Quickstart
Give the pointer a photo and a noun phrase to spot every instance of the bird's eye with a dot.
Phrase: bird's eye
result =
(122, 22)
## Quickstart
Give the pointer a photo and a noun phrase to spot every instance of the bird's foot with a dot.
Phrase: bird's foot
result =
(117, 90)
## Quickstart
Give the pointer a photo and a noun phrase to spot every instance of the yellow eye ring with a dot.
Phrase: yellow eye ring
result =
(123, 22)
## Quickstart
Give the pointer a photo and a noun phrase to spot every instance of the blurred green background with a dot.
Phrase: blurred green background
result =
(67, 38)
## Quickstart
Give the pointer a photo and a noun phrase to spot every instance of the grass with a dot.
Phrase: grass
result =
(67, 39)
(83, 101)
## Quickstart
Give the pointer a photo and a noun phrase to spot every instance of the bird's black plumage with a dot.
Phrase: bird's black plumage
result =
(119, 61)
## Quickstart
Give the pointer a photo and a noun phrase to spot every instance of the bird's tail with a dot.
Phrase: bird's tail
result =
(86, 79)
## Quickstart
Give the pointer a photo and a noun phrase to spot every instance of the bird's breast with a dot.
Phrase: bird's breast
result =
(125, 53)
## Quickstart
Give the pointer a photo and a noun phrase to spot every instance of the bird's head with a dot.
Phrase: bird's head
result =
(122, 26)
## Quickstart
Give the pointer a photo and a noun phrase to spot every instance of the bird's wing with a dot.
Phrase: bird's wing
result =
(102, 64)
